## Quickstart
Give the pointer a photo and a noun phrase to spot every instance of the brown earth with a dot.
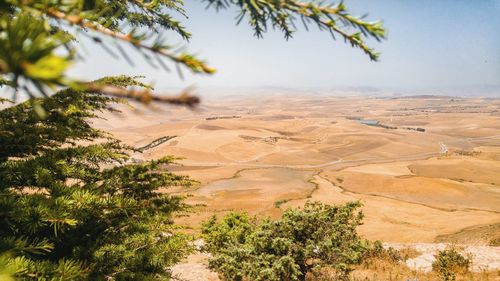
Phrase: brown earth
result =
(442, 184)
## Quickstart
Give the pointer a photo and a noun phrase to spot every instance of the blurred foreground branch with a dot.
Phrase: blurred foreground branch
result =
(146, 96)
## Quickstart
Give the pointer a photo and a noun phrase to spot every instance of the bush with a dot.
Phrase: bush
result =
(449, 262)
(377, 250)
(310, 242)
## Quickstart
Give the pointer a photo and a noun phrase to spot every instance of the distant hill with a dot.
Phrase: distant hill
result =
(423, 97)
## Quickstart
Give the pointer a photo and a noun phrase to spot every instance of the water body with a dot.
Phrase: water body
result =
(369, 122)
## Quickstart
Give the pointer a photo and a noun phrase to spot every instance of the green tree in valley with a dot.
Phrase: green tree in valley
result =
(71, 206)
(319, 240)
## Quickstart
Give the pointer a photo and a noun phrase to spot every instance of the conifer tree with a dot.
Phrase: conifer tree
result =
(72, 211)
(71, 206)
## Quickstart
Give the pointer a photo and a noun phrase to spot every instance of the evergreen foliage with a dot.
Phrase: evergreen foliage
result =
(72, 208)
(316, 240)
(38, 39)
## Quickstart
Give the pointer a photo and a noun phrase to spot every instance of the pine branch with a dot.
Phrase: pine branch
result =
(187, 60)
(144, 95)
(281, 14)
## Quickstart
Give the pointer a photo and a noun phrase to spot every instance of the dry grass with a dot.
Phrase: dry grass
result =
(383, 269)
(308, 135)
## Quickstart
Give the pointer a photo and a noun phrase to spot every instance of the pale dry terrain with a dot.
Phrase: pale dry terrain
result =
(262, 154)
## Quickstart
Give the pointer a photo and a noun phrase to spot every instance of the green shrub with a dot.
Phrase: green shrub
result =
(377, 250)
(316, 240)
(449, 262)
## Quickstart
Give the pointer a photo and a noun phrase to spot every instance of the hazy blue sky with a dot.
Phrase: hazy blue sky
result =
(432, 44)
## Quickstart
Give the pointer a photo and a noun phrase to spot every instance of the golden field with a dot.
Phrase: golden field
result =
(262, 154)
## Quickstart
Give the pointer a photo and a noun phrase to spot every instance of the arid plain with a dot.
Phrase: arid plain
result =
(426, 168)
